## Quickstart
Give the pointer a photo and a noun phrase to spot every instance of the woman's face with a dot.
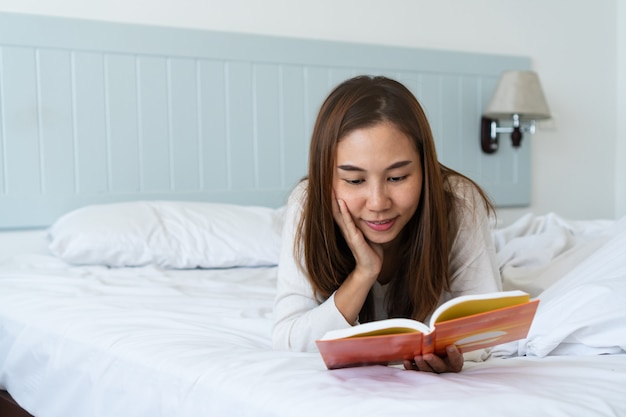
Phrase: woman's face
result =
(378, 173)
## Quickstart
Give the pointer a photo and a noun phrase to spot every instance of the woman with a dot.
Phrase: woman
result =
(379, 228)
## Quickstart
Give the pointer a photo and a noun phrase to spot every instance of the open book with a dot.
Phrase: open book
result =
(470, 322)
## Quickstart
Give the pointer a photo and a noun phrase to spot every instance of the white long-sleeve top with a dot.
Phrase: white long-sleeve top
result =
(300, 318)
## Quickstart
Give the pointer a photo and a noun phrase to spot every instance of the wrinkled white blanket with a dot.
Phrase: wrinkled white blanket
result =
(535, 251)
(578, 271)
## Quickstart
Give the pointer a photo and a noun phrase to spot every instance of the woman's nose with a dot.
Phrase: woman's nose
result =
(378, 199)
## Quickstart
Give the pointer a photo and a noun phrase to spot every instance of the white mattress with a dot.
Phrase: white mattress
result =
(93, 341)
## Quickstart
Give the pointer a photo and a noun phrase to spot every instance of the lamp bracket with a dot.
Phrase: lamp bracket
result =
(489, 131)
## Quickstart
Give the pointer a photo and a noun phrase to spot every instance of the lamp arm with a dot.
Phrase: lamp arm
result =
(490, 131)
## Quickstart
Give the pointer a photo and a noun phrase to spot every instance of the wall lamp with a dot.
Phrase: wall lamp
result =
(518, 97)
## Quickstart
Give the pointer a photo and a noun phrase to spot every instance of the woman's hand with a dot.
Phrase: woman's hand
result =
(429, 362)
(351, 295)
(368, 256)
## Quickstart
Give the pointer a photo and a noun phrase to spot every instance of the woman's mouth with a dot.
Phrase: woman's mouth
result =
(381, 225)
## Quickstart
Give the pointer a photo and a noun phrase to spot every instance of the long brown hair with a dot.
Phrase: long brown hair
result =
(423, 274)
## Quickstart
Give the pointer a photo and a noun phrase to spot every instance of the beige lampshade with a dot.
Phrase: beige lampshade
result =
(518, 92)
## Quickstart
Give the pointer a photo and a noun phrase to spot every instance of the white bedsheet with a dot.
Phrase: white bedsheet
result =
(92, 341)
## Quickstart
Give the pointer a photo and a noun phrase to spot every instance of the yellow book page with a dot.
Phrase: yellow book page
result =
(389, 330)
(467, 306)
(378, 328)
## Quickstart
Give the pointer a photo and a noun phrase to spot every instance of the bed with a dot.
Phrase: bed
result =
(138, 279)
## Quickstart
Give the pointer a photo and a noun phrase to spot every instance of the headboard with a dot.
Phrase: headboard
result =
(94, 112)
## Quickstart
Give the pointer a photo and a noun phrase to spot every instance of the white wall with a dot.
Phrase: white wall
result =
(620, 171)
(577, 160)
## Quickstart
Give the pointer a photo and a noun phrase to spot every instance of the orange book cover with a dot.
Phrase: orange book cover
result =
(470, 322)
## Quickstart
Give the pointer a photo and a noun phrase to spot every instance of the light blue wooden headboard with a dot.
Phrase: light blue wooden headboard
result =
(95, 112)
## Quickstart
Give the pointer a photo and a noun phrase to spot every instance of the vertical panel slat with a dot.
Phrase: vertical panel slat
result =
(317, 86)
(469, 121)
(240, 125)
(184, 124)
(3, 160)
(412, 81)
(56, 118)
(212, 123)
(90, 123)
(122, 123)
(153, 124)
(21, 121)
(267, 126)
(523, 174)
(294, 129)
(450, 124)
(337, 76)
(431, 100)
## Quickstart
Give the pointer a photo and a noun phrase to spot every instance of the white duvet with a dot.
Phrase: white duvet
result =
(145, 341)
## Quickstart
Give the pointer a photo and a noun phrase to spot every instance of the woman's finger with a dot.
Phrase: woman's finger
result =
(452, 362)
(346, 218)
(455, 358)
(367, 255)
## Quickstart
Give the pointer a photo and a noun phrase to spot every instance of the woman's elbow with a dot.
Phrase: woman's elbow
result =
(283, 339)
(280, 336)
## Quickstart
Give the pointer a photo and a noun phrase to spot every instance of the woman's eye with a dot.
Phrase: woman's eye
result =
(397, 179)
(353, 182)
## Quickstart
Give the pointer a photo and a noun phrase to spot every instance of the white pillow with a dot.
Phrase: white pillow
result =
(169, 234)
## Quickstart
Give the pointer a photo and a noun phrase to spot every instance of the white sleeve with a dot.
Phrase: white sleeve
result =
(299, 317)
(473, 265)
